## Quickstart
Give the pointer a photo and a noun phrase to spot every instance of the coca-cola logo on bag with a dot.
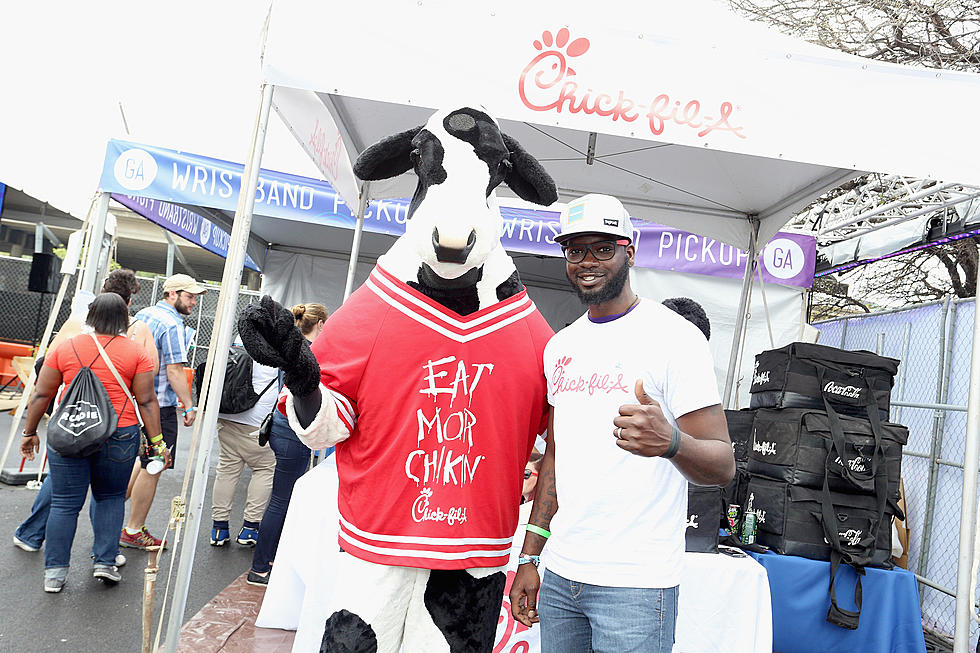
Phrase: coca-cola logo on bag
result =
(851, 536)
(549, 83)
(854, 464)
(848, 391)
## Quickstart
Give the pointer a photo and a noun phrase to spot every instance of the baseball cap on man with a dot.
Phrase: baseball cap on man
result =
(595, 214)
(183, 282)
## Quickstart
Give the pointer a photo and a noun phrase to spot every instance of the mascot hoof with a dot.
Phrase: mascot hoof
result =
(345, 632)
(465, 609)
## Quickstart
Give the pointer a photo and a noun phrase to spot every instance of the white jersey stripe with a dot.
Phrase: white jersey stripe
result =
(431, 541)
(449, 320)
(440, 329)
(435, 555)
(344, 407)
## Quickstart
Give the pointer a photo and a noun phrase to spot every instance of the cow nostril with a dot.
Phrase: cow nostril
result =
(451, 254)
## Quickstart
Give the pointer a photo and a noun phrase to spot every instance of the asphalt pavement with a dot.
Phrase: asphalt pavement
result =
(87, 615)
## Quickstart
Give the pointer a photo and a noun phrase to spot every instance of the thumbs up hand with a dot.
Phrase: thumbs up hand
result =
(641, 428)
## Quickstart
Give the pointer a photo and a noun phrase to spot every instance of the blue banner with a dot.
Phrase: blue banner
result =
(143, 171)
(183, 222)
(184, 178)
(3, 188)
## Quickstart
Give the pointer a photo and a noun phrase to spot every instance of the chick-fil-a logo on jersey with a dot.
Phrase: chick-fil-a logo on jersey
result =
(549, 83)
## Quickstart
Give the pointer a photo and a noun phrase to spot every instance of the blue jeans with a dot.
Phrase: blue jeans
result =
(107, 472)
(292, 461)
(579, 618)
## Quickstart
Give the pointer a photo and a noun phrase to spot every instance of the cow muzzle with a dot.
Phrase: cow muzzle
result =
(450, 254)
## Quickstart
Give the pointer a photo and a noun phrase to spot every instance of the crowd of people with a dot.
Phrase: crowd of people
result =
(150, 352)
(660, 408)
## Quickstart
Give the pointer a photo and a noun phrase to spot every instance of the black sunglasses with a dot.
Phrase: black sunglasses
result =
(602, 250)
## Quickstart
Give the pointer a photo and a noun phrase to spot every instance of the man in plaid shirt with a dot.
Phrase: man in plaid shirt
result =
(166, 322)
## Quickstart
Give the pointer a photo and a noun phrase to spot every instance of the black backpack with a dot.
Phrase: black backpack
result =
(85, 418)
(237, 393)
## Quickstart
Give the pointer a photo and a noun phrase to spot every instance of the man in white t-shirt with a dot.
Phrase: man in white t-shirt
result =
(240, 447)
(635, 414)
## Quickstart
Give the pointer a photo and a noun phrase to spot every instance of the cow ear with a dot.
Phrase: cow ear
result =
(388, 157)
(527, 177)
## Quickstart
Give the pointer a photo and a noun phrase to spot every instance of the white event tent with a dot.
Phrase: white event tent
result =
(693, 117)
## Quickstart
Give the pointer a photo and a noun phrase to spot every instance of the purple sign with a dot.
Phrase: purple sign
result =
(787, 259)
(183, 222)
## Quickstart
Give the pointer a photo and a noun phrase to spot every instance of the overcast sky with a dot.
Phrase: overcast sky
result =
(187, 74)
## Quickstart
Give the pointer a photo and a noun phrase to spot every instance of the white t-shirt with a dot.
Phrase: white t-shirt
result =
(261, 376)
(620, 519)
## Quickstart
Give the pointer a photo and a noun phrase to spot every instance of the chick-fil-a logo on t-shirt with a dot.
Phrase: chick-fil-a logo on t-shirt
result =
(547, 84)
(594, 383)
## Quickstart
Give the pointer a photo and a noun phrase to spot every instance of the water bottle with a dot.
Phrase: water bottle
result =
(155, 466)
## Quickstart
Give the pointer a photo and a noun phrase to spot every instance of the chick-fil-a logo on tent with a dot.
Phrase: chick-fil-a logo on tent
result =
(547, 84)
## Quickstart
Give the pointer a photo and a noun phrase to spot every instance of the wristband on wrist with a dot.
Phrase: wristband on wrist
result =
(189, 410)
(156, 439)
(537, 530)
(675, 443)
(523, 559)
(30, 435)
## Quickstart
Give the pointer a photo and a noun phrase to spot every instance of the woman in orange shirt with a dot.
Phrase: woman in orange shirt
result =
(107, 471)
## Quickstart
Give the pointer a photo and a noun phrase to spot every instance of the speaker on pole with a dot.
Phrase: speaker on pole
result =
(44, 273)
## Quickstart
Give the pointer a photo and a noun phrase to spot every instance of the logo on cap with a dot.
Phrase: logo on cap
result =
(576, 213)
(610, 222)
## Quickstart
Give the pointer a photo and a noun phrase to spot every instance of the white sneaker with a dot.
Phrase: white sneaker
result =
(21, 544)
(54, 585)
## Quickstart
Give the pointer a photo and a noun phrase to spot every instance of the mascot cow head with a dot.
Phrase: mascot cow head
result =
(460, 156)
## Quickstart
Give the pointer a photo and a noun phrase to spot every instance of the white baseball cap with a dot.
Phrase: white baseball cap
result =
(183, 282)
(595, 214)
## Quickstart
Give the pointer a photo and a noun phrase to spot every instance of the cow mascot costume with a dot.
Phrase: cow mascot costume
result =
(429, 382)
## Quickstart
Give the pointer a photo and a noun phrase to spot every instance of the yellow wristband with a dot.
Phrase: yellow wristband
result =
(156, 438)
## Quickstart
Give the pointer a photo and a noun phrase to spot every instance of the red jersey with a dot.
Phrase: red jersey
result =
(128, 358)
(443, 411)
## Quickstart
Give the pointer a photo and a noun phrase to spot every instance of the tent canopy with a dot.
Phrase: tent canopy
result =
(693, 117)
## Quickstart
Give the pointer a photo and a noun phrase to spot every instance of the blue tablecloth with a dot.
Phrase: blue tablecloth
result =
(891, 621)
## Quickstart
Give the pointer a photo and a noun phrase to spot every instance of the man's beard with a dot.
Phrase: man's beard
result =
(607, 292)
(182, 308)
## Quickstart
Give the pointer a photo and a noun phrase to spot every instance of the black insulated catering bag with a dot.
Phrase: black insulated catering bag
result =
(740, 430)
(804, 375)
(793, 444)
(790, 522)
(704, 511)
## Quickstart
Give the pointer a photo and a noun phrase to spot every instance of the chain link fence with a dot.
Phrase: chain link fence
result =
(24, 314)
(934, 343)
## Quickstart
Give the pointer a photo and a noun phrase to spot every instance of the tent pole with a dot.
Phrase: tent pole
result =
(220, 340)
(42, 348)
(94, 252)
(170, 259)
(355, 249)
(742, 309)
(968, 504)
